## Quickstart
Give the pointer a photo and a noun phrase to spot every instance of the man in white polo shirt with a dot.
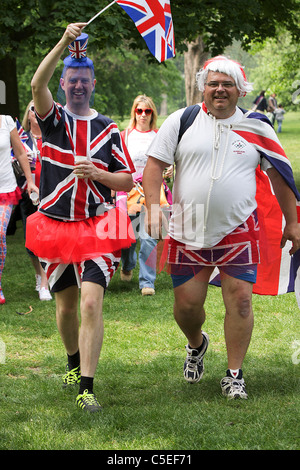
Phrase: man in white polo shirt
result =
(214, 221)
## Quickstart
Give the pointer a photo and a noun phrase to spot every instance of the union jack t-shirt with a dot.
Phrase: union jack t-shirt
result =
(62, 194)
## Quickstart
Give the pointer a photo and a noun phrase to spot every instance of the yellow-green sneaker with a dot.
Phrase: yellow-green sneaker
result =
(88, 402)
(72, 377)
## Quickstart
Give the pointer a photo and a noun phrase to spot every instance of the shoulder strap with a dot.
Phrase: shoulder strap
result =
(187, 119)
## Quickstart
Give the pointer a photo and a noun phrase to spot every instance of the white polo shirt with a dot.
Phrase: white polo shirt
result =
(215, 186)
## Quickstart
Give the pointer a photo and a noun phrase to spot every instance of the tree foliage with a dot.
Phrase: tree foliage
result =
(24, 24)
(277, 69)
(30, 28)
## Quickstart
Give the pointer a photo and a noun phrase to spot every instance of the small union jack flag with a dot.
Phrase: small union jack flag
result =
(153, 20)
(78, 48)
(22, 134)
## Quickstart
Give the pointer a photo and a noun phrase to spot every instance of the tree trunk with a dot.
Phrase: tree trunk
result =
(194, 58)
(9, 98)
(163, 111)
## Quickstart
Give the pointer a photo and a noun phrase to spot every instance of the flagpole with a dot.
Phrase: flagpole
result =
(98, 14)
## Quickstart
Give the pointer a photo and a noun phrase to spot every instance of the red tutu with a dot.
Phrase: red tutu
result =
(73, 242)
(11, 198)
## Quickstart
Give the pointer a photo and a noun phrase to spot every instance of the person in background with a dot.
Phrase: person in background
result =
(272, 105)
(27, 207)
(260, 103)
(279, 116)
(141, 131)
(10, 193)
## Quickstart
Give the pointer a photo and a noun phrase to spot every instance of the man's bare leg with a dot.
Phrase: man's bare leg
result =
(91, 330)
(189, 310)
(238, 323)
(67, 317)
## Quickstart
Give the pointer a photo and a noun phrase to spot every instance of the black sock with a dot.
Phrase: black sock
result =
(86, 383)
(74, 360)
(199, 349)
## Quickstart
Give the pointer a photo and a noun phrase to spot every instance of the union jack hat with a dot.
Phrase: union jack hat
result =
(78, 53)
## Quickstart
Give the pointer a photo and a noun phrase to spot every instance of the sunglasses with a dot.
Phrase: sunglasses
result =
(147, 111)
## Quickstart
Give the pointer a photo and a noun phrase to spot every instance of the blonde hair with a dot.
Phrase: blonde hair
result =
(150, 104)
(25, 122)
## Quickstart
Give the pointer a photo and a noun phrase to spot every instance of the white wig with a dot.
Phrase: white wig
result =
(229, 67)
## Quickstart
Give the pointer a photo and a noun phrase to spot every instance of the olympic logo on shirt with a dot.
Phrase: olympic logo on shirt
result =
(239, 145)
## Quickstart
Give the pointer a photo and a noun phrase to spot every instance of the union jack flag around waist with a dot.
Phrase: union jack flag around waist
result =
(240, 247)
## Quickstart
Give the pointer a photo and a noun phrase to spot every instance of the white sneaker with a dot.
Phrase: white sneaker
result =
(233, 388)
(44, 294)
(193, 367)
(38, 280)
(126, 275)
(148, 291)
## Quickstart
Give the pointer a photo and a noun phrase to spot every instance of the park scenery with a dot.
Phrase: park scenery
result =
(149, 414)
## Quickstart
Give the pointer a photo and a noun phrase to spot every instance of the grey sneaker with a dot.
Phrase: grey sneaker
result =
(233, 388)
(193, 366)
(88, 402)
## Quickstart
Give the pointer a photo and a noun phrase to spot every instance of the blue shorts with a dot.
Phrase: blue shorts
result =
(247, 272)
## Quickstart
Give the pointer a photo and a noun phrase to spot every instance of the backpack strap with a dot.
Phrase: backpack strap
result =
(187, 119)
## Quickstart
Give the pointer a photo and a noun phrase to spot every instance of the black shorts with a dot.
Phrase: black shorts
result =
(99, 270)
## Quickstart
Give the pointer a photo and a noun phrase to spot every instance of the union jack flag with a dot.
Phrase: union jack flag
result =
(24, 139)
(22, 134)
(239, 247)
(278, 272)
(256, 129)
(153, 20)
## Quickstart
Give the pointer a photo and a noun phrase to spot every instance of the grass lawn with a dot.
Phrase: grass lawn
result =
(147, 405)
(290, 140)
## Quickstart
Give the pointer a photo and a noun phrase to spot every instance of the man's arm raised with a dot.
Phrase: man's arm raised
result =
(42, 96)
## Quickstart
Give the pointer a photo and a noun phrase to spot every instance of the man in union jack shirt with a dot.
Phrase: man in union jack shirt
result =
(77, 232)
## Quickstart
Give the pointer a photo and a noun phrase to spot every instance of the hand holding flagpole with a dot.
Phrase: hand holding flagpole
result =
(99, 13)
